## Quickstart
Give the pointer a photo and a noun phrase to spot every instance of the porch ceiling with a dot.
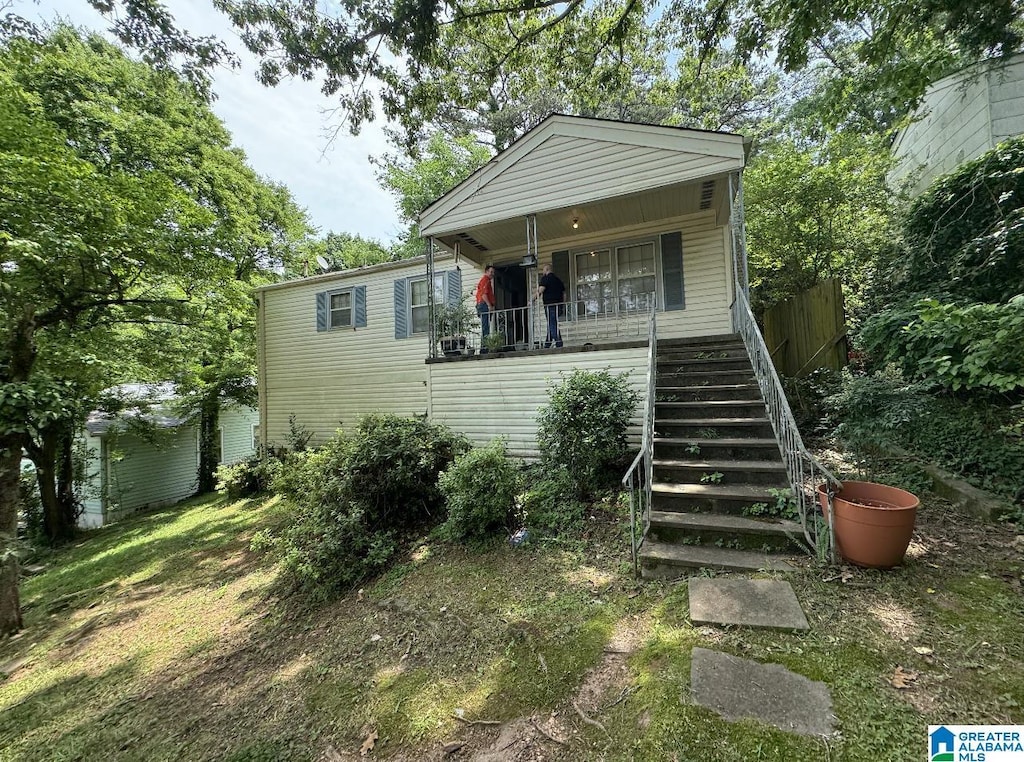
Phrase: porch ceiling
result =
(480, 243)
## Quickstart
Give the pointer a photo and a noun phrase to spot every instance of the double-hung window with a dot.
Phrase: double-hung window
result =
(419, 307)
(615, 279)
(341, 309)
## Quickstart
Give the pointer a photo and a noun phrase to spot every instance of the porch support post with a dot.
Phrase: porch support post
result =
(431, 306)
(737, 225)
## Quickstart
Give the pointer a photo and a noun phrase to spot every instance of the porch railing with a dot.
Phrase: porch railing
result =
(804, 470)
(579, 322)
(639, 477)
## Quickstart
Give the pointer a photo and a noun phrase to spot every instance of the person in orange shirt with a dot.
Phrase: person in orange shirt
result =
(485, 302)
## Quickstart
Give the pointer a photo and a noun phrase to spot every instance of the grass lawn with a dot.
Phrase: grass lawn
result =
(164, 637)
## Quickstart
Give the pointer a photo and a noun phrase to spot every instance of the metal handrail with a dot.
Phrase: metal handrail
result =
(805, 472)
(641, 499)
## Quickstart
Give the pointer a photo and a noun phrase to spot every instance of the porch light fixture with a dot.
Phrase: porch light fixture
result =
(575, 223)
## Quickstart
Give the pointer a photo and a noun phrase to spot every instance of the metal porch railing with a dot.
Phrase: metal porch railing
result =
(639, 483)
(805, 472)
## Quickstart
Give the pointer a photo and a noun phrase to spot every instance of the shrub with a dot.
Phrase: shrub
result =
(583, 427)
(977, 346)
(355, 497)
(34, 530)
(549, 502)
(480, 489)
(248, 477)
(976, 439)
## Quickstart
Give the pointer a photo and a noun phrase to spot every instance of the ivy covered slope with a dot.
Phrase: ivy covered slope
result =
(947, 345)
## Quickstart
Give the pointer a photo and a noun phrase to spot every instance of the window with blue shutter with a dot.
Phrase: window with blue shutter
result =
(343, 308)
(412, 305)
(672, 271)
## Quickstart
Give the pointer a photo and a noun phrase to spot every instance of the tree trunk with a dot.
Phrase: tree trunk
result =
(67, 498)
(209, 423)
(10, 471)
(52, 456)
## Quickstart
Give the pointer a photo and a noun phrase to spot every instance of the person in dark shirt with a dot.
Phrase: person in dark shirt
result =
(551, 291)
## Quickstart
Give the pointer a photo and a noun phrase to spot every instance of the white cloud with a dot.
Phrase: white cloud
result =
(281, 130)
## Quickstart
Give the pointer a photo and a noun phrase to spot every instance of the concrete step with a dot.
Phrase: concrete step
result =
(714, 428)
(710, 352)
(710, 498)
(661, 560)
(732, 448)
(707, 392)
(701, 341)
(745, 408)
(771, 473)
(722, 523)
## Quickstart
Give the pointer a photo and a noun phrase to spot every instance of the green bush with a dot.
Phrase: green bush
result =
(480, 489)
(583, 427)
(977, 346)
(976, 439)
(356, 497)
(34, 528)
(965, 233)
(549, 502)
(249, 477)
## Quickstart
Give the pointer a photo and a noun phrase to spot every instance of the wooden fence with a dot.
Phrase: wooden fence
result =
(808, 331)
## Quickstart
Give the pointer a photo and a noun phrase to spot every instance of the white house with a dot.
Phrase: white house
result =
(961, 117)
(644, 226)
(128, 470)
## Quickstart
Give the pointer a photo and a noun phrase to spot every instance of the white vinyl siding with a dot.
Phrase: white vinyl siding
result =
(237, 427)
(500, 397)
(568, 161)
(961, 117)
(328, 380)
(143, 474)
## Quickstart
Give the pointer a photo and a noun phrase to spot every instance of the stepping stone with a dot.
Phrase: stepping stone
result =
(740, 689)
(767, 603)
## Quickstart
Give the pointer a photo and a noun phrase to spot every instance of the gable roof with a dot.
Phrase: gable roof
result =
(569, 160)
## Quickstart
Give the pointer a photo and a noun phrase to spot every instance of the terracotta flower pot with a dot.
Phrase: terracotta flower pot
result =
(873, 522)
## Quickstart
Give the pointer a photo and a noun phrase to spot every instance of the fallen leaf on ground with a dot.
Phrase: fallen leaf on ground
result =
(453, 746)
(847, 575)
(368, 744)
(923, 650)
(359, 595)
(902, 678)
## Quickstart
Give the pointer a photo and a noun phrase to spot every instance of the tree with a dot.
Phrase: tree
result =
(122, 206)
(341, 251)
(395, 44)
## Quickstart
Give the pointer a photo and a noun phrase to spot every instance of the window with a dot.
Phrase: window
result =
(340, 309)
(594, 285)
(256, 437)
(419, 309)
(635, 266)
(615, 279)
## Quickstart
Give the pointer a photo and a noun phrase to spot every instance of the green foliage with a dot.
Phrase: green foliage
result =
(355, 497)
(782, 506)
(249, 477)
(965, 233)
(974, 438)
(480, 489)
(550, 502)
(977, 346)
(31, 508)
(583, 427)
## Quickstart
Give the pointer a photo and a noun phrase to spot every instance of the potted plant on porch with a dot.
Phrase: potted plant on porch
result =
(451, 322)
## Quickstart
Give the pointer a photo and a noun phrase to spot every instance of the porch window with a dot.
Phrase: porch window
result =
(341, 309)
(594, 284)
(419, 309)
(635, 274)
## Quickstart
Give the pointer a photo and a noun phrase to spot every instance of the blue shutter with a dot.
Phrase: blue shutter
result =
(672, 270)
(453, 286)
(321, 311)
(359, 299)
(401, 310)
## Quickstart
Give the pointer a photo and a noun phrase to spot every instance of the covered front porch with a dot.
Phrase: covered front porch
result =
(633, 219)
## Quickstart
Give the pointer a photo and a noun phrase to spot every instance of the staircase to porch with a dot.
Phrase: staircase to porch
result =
(717, 466)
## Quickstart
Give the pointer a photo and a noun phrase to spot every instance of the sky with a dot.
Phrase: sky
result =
(281, 129)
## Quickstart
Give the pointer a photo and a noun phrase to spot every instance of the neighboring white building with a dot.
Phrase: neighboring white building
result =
(128, 472)
(962, 116)
(629, 216)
